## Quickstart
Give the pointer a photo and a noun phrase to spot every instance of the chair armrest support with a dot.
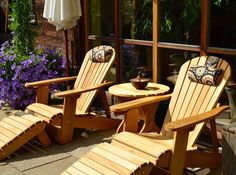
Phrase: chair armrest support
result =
(190, 122)
(76, 92)
(48, 82)
(123, 107)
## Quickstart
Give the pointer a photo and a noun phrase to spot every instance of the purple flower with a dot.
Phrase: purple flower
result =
(13, 66)
(15, 71)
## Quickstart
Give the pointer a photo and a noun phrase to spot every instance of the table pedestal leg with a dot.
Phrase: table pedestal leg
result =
(149, 114)
(131, 119)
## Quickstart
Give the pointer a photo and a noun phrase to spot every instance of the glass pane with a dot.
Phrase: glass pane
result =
(136, 19)
(135, 58)
(180, 21)
(94, 43)
(170, 63)
(223, 24)
(101, 17)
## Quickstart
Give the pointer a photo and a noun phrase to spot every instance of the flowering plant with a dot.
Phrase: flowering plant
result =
(16, 70)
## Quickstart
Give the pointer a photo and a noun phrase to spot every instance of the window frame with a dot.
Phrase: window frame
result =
(203, 48)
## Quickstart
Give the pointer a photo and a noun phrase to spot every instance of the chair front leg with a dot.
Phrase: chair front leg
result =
(179, 152)
(67, 121)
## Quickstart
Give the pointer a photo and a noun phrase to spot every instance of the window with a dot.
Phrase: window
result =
(161, 34)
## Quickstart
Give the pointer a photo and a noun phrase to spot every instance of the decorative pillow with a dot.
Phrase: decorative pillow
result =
(101, 54)
(205, 75)
(212, 61)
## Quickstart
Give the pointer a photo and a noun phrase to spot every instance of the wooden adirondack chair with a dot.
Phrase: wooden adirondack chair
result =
(75, 112)
(191, 106)
(21, 127)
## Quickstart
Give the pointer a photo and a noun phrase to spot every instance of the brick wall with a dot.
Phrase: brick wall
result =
(47, 34)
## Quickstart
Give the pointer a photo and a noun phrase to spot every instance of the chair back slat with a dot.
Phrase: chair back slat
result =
(191, 98)
(90, 74)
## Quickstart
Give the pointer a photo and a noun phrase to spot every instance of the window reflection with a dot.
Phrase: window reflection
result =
(135, 58)
(170, 63)
(222, 24)
(136, 19)
(180, 22)
(101, 17)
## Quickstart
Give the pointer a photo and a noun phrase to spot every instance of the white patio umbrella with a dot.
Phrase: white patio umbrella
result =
(64, 15)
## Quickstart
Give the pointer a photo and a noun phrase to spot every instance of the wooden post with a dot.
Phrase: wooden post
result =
(66, 52)
(6, 4)
(204, 27)
(117, 40)
(155, 41)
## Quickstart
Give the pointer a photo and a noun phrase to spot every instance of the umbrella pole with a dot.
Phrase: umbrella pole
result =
(66, 52)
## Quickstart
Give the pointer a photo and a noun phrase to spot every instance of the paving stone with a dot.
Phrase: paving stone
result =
(52, 168)
(30, 161)
(9, 170)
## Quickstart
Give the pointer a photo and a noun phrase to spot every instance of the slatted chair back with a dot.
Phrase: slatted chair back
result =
(90, 74)
(190, 98)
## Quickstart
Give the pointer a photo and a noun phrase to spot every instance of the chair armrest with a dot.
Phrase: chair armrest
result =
(48, 82)
(76, 92)
(123, 107)
(190, 122)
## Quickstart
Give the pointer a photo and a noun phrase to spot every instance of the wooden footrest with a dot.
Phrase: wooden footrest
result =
(109, 159)
(19, 128)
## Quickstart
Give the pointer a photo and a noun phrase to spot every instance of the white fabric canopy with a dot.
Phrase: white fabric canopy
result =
(62, 13)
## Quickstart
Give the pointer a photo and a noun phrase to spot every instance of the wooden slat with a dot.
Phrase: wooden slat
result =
(187, 100)
(96, 77)
(2, 144)
(86, 169)
(31, 118)
(86, 98)
(183, 92)
(195, 96)
(118, 160)
(44, 109)
(101, 168)
(67, 173)
(113, 165)
(150, 158)
(72, 171)
(210, 95)
(15, 123)
(141, 144)
(7, 131)
(10, 127)
(175, 95)
(85, 65)
(21, 120)
(123, 154)
(5, 138)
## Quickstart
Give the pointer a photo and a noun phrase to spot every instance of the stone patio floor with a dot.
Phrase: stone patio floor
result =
(32, 159)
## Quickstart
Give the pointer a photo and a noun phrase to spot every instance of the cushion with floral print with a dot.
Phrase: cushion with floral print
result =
(207, 74)
(101, 54)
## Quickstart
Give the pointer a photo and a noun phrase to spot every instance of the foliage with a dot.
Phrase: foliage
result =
(21, 26)
(16, 70)
(142, 25)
